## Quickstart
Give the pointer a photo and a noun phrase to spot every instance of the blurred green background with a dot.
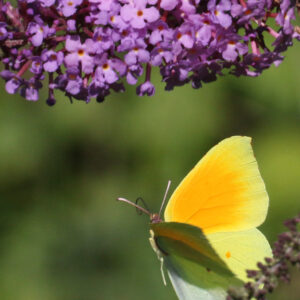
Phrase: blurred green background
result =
(63, 236)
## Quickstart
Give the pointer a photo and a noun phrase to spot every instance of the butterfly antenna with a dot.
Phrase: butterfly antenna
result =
(165, 197)
(145, 211)
(140, 199)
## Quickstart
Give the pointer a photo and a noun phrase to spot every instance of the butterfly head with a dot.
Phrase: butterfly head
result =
(155, 218)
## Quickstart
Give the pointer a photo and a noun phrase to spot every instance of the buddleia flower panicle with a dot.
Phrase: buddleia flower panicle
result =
(286, 253)
(87, 48)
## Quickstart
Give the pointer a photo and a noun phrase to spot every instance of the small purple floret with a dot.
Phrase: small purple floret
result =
(147, 88)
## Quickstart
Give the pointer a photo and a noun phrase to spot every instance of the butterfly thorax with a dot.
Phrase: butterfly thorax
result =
(155, 218)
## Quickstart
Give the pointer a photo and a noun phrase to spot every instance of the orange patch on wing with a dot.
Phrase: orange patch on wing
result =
(219, 196)
(224, 192)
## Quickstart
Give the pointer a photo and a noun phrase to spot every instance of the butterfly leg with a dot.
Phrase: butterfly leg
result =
(159, 256)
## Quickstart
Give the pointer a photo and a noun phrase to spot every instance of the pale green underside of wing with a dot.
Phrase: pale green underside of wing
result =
(195, 269)
(191, 281)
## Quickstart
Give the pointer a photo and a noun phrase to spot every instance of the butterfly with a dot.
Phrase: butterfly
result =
(208, 238)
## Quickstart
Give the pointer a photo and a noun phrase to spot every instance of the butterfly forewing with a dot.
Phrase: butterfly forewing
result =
(224, 192)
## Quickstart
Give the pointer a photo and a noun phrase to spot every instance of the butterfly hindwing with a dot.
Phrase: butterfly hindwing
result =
(193, 282)
(241, 250)
(195, 269)
(189, 242)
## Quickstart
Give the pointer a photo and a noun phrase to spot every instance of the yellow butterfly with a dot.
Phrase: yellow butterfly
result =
(208, 238)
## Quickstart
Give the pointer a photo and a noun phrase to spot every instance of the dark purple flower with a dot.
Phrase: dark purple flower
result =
(161, 53)
(253, 9)
(230, 46)
(185, 35)
(203, 29)
(175, 75)
(13, 85)
(3, 31)
(147, 88)
(107, 70)
(284, 19)
(133, 73)
(137, 13)
(188, 7)
(6, 74)
(71, 25)
(30, 89)
(51, 100)
(105, 5)
(129, 38)
(37, 33)
(52, 60)
(74, 82)
(69, 7)
(160, 32)
(36, 65)
(104, 39)
(138, 54)
(261, 62)
(47, 3)
(220, 12)
(79, 53)
(169, 4)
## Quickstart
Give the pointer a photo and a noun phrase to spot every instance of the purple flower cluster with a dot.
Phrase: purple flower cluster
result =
(86, 48)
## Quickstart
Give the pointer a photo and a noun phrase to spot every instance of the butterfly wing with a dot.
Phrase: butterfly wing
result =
(240, 250)
(195, 269)
(193, 282)
(225, 196)
(224, 192)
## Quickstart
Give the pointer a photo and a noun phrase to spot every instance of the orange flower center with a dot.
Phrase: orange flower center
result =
(105, 67)
(80, 52)
(179, 35)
